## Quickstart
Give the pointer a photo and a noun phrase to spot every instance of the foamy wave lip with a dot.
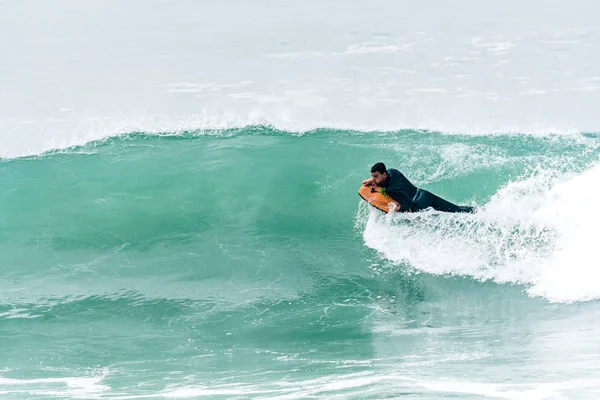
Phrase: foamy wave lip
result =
(95, 129)
(68, 133)
(539, 232)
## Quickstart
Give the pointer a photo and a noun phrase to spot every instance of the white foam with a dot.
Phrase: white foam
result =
(75, 387)
(370, 48)
(18, 313)
(573, 270)
(539, 232)
(301, 55)
(370, 384)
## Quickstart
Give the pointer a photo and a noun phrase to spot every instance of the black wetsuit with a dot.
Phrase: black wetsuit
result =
(412, 198)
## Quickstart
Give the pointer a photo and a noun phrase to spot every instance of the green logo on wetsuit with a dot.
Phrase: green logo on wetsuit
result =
(383, 192)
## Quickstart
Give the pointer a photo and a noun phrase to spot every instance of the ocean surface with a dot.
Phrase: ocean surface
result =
(179, 215)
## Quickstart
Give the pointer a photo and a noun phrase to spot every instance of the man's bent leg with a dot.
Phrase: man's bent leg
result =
(425, 199)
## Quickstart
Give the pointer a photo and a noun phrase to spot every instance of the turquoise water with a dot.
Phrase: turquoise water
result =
(179, 215)
(243, 264)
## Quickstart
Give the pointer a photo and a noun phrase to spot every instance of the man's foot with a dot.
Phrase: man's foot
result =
(468, 209)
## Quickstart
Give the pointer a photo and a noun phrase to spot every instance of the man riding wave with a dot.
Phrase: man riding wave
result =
(410, 197)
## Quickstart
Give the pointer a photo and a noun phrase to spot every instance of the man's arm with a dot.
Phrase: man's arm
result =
(368, 182)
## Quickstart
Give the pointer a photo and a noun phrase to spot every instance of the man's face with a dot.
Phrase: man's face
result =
(378, 178)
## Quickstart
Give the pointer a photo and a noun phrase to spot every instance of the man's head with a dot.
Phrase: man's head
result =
(379, 173)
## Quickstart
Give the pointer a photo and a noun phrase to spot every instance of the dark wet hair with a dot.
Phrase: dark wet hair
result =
(379, 167)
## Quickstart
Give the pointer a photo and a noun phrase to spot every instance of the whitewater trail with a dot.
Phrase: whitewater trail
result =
(539, 232)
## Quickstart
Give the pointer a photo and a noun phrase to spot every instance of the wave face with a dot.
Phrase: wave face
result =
(242, 262)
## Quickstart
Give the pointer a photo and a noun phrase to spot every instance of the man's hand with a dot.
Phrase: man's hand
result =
(368, 182)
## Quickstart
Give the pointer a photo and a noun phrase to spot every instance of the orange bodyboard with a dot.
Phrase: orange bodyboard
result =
(376, 199)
